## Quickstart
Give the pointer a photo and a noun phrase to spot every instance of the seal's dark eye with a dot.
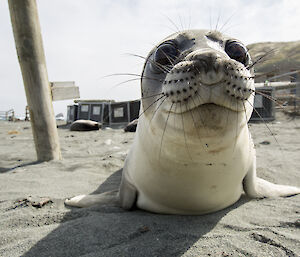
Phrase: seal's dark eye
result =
(165, 54)
(237, 51)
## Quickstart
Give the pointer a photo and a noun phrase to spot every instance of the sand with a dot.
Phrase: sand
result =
(35, 222)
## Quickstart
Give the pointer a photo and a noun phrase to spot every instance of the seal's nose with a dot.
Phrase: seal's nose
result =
(207, 64)
(206, 60)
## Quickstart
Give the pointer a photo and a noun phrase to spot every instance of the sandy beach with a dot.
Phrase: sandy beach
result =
(35, 222)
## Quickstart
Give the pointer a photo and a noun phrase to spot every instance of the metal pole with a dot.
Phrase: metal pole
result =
(28, 40)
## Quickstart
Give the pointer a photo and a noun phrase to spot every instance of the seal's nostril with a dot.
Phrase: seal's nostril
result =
(178, 92)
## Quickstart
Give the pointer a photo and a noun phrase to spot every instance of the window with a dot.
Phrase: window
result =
(96, 110)
(258, 101)
(119, 112)
(84, 108)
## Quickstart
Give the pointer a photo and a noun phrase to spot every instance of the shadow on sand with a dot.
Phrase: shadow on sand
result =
(4, 170)
(111, 231)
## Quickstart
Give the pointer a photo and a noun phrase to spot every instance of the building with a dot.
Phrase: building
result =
(108, 112)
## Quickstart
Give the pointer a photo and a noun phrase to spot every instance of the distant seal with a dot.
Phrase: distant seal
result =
(85, 125)
(193, 152)
(131, 126)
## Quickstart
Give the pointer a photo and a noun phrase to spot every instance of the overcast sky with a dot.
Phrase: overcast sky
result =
(85, 40)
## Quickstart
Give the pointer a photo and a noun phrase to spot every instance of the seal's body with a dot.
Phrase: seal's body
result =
(85, 125)
(182, 175)
(193, 153)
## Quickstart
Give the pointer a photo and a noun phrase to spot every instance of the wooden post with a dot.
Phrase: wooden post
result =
(28, 39)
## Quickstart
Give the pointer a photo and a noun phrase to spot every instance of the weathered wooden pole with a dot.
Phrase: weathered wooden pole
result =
(29, 45)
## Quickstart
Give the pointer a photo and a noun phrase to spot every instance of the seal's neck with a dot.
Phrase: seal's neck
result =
(191, 143)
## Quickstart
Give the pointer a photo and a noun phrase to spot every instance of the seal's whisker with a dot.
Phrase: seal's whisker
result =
(256, 76)
(191, 112)
(150, 106)
(181, 23)
(225, 23)
(184, 134)
(268, 111)
(157, 108)
(175, 115)
(159, 66)
(210, 17)
(269, 97)
(170, 59)
(260, 59)
(151, 96)
(162, 68)
(236, 126)
(273, 100)
(199, 97)
(198, 111)
(246, 121)
(190, 20)
(172, 23)
(227, 118)
(161, 142)
(132, 74)
(272, 134)
(245, 111)
(219, 16)
(126, 81)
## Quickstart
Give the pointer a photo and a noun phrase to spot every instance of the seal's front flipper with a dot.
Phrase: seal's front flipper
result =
(110, 197)
(128, 193)
(259, 188)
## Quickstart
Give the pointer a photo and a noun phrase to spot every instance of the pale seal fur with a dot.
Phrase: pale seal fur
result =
(193, 153)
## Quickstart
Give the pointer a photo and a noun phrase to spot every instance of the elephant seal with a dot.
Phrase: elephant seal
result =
(131, 126)
(85, 125)
(192, 153)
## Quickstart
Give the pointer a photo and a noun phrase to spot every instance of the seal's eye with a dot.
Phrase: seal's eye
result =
(165, 55)
(237, 51)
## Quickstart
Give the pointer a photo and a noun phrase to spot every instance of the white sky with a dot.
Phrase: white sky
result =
(85, 40)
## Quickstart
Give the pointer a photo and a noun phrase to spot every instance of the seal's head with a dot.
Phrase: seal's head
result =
(200, 75)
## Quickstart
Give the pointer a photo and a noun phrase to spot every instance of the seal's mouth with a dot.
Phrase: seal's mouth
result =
(194, 105)
(210, 106)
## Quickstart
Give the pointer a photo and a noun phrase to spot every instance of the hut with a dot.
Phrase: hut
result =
(72, 113)
(264, 109)
(108, 112)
